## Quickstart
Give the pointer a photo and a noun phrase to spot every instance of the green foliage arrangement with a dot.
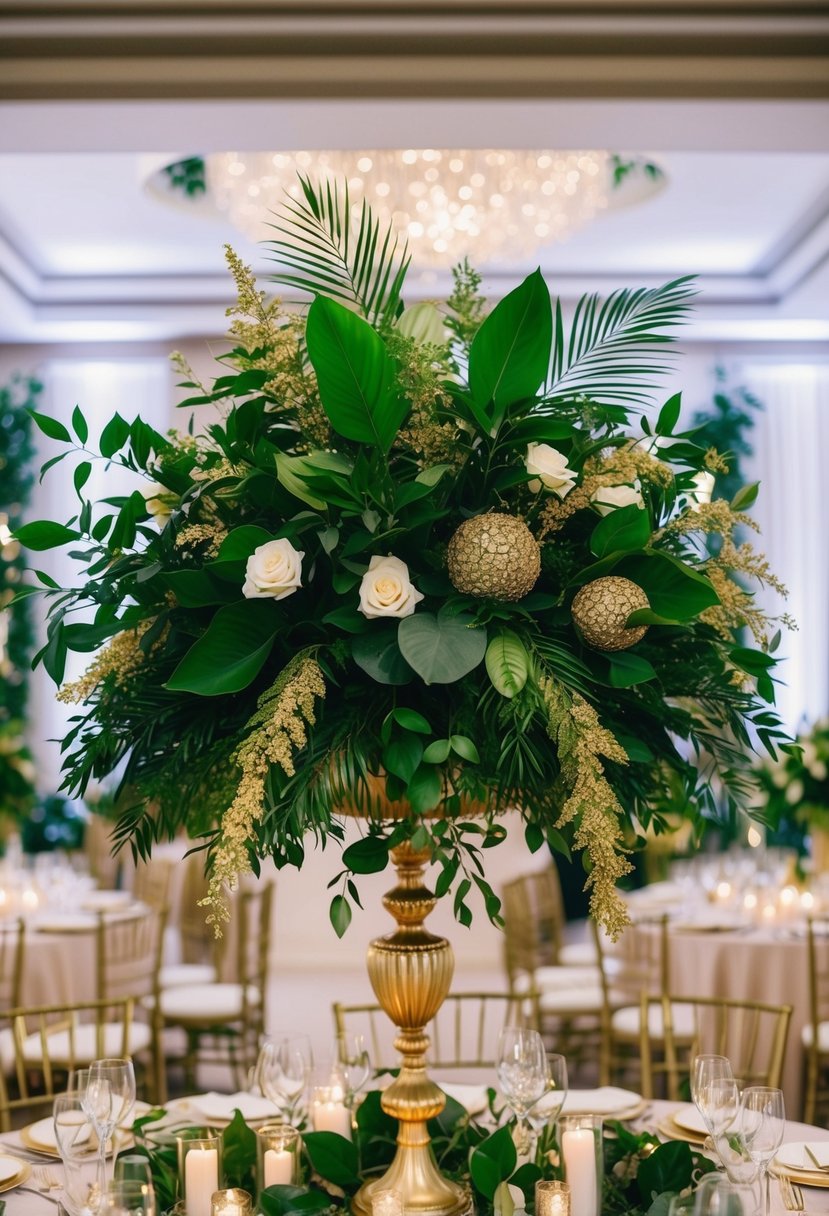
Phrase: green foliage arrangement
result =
(416, 563)
(796, 784)
(17, 398)
(641, 1175)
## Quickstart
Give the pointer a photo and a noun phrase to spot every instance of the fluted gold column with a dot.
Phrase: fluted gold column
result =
(410, 971)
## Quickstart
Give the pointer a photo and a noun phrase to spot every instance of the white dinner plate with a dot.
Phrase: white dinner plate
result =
(105, 901)
(13, 1172)
(688, 1117)
(607, 1100)
(65, 922)
(794, 1156)
(41, 1135)
(219, 1108)
(473, 1098)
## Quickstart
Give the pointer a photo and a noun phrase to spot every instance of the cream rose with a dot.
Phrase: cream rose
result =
(550, 468)
(386, 589)
(274, 571)
(159, 501)
(610, 498)
(703, 487)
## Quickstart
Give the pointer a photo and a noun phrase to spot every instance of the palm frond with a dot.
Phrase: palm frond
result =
(617, 346)
(320, 251)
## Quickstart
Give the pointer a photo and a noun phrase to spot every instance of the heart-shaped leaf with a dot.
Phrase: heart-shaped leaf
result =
(378, 653)
(231, 653)
(443, 648)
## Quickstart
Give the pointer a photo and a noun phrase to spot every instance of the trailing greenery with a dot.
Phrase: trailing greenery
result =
(641, 1175)
(355, 588)
(16, 629)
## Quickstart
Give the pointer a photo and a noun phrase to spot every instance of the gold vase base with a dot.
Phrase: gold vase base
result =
(447, 1199)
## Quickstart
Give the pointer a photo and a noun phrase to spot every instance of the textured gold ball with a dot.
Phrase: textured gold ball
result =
(601, 608)
(494, 556)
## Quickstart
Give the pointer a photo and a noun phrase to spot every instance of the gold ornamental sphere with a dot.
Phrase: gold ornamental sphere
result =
(494, 556)
(601, 609)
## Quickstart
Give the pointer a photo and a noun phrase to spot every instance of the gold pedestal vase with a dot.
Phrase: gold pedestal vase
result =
(411, 971)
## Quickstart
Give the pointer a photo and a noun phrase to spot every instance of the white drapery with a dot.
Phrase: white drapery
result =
(99, 387)
(791, 452)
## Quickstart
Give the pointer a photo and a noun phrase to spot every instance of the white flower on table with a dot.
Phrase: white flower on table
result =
(549, 468)
(387, 590)
(611, 498)
(274, 570)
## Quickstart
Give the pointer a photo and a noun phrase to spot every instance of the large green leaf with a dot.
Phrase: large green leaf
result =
(507, 663)
(378, 653)
(355, 374)
(332, 1157)
(675, 591)
(621, 531)
(319, 251)
(44, 534)
(231, 653)
(443, 648)
(510, 354)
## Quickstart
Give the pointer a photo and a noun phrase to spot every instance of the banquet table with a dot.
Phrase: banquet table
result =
(744, 962)
(26, 1203)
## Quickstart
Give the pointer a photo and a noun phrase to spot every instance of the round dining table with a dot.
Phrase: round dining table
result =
(28, 1202)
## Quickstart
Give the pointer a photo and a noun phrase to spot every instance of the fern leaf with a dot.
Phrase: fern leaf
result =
(318, 251)
(616, 347)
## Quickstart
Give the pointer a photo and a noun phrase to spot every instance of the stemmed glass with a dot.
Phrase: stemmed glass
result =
(107, 1091)
(356, 1064)
(762, 1124)
(129, 1197)
(284, 1065)
(522, 1072)
(75, 1143)
(548, 1107)
(711, 1079)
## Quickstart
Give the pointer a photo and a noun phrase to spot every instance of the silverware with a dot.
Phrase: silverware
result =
(791, 1194)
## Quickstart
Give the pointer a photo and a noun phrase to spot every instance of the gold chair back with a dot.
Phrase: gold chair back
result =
(39, 1070)
(751, 1034)
(463, 1035)
(151, 881)
(533, 911)
(12, 956)
(198, 941)
(817, 1060)
(128, 954)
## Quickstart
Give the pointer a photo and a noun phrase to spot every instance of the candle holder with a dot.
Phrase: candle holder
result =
(232, 1202)
(552, 1199)
(328, 1110)
(199, 1169)
(580, 1141)
(277, 1156)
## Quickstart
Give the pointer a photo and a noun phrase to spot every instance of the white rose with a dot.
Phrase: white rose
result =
(703, 483)
(274, 570)
(610, 498)
(386, 589)
(159, 501)
(550, 468)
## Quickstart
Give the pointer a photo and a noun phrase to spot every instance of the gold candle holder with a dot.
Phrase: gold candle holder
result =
(232, 1202)
(552, 1199)
(277, 1155)
(199, 1169)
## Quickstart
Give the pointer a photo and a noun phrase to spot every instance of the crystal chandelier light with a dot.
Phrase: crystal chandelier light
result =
(447, 202)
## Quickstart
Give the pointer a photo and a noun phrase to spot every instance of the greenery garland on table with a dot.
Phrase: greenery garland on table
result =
(417, 555)
(641, 1174)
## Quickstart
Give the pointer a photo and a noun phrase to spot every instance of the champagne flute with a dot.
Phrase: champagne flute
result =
(762, 1124)
(108, 1093)
(356, 1063)
(75, 1140)
(706, 1072)
(284, 1065)
(522, 1072)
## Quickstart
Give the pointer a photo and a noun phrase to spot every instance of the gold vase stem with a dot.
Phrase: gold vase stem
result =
(411, 971)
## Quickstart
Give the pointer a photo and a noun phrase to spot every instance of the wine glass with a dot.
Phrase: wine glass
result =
(75, 1140)
(548, 1107)
(284, 1065)
(128, 1197)
(522, 1071)
(107, 1089)
(762, 1124)
(708, 1072)
(356, 1064)
(717, 1196)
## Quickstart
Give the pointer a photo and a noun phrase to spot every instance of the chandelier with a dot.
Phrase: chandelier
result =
(448, 203)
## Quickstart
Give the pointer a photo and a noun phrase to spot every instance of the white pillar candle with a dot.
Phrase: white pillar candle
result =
(201, 1179)
(278, 1167)
(578, 1148)
(331, 1116)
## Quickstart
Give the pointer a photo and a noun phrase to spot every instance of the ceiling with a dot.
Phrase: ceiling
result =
(731, 99)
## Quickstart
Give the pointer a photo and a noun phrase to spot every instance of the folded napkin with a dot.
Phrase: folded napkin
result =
(221, 1106)
(607, 1100)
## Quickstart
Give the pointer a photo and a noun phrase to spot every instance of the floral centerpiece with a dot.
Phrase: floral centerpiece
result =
(416, 562)
(795, 787)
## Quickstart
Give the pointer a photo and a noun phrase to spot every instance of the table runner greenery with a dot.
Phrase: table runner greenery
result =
(641, 1174)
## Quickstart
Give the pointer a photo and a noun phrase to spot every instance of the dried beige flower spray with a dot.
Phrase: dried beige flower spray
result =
(275, 732)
